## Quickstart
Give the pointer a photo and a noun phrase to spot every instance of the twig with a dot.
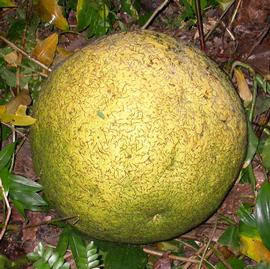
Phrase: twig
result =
(13, 46)
(234, 14)
(219, 21)
(8, 210)
(48, 222)
(159, 8)
(17, 131)
(159, 253)
(228, 31)
(219, 255)
(200, 23)
(207, 245)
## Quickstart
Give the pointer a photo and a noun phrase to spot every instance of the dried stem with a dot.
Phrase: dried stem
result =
(208, 244)
(8, 210)
(200, 23)
(218, 22)
(159, 253)
(159, 8)
(13, 46)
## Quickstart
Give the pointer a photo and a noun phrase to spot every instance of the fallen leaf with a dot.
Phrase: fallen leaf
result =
(243, 88)
(251, 244)
(45, 50)
(23, 98)
(18, 119)
(51, 12)
(164, 262)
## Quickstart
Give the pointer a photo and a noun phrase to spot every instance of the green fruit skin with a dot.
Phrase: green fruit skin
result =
(139, 136)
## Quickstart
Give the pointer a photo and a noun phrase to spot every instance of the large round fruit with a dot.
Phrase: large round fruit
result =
(139, 136)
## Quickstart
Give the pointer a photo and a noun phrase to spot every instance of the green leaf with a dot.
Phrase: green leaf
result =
(25, 185)
(93, 14)
(230, 238)
(5, 177)
(63, 241)
(8, 76)
(16, 29)
(252, 145)
(6, 132)
(246, 216)
(234, 262)
(6, 154)
(86, 257)
(6, 3)
(128, 7)
(47, 258)
(266, 153)
(118, 256)
(23, 193)
(262, 213)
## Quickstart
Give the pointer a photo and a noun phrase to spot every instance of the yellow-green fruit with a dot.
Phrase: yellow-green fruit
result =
(139, 136)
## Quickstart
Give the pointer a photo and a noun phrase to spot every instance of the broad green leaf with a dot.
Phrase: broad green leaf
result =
(251, 244)
(85, 257)
(23, 184)
(63, 242)
(128, 7)
(6, 154)
(51, 12)
(45, 50)
(246, 216)
(7, 3)
(23, 193)
(230, 238)
(266, 153)
(122, 256)
(234, 262)
(262, 213)
(93, 14)
(252, 145)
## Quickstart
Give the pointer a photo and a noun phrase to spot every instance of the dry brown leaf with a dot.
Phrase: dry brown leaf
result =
(45, 50)
(164, 262)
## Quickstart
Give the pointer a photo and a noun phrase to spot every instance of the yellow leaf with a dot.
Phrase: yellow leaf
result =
(45, 50)
(254, 248)
(2, 109)
(51, 12)
(14, 112)
(243, 87)
(19, 118)
(11, 58)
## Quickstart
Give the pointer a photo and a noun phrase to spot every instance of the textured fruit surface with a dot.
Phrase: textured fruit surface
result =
(139, 136)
